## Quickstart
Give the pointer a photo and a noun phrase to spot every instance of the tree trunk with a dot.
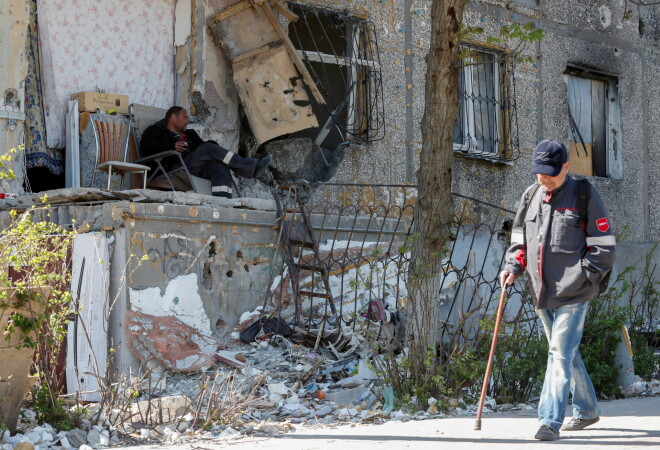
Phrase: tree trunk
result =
(433, 213)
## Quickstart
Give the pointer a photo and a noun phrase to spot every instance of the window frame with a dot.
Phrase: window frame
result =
(503, 132)
(357, 116)
(612, 124)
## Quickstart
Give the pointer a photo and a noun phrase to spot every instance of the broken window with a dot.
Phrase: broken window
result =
(486, 125)
(593, 121)
(341, 54)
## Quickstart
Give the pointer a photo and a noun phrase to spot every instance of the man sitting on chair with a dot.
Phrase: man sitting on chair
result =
(205, 159)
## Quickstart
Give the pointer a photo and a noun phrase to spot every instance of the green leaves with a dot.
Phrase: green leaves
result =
(36, 299)
(5, 172)
(515, 36)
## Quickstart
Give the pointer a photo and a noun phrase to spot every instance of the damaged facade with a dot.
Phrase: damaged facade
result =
(335, 92)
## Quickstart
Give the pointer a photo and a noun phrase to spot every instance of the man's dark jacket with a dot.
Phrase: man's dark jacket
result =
(157, 138)
(565, 259)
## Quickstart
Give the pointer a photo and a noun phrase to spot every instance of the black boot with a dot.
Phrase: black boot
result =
(261, 166)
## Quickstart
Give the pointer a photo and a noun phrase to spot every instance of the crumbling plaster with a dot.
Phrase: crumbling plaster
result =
(174, 258)
(204, 83)
(14, 16)
(214, 263)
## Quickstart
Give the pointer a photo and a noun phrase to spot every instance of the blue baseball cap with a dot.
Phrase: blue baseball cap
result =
(549, 158)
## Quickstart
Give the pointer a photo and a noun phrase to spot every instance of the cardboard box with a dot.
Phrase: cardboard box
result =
(91, 101)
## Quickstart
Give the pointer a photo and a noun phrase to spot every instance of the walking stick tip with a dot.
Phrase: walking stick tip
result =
(477, 425)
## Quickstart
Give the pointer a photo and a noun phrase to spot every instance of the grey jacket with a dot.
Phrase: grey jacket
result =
(564, 258)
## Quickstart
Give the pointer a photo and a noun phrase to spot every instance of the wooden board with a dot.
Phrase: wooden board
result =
(580, 164)
(273, 96)
(268, 72)
(242, 31)
(87, 336)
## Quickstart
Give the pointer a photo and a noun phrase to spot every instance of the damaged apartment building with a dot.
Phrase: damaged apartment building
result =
(334, 91)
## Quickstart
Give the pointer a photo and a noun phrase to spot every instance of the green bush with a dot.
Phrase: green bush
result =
(37, 251)
(520, 365)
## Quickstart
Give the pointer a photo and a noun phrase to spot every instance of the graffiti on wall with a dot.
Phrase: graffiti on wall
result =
(169, 255)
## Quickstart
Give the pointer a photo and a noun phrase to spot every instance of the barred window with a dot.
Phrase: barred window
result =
(341, 53)
(486, 126)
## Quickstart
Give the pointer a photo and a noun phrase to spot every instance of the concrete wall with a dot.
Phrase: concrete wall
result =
(202, 265)
(593, 34)
(13, 70)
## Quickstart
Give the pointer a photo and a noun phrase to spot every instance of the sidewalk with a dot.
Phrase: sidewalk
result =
(627, 423)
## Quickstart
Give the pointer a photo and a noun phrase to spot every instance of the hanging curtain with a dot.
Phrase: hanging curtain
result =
(37, 153)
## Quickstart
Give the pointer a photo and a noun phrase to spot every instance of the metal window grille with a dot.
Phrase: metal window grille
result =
(487, 124)
(341, 53)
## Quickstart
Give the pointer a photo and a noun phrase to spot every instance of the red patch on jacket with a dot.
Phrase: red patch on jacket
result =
(603, 225)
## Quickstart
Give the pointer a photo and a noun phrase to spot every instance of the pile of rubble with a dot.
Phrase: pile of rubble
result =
(272, 385)
(262, 388)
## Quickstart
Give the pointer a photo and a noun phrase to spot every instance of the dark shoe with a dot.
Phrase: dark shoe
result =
(261, 166)
(546, 433)
(579, 424)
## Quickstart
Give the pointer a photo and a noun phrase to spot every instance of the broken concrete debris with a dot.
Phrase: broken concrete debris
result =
(273, 402)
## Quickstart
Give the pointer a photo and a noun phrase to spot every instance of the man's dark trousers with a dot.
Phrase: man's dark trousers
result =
(213, 162)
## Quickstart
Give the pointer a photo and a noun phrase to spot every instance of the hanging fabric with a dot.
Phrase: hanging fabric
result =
(37, 153)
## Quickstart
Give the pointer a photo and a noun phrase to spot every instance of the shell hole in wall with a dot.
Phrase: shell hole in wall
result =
(207, 282)
(246, 267)
(12, 99)
(239, 254)
(230, 273)
(219, 326)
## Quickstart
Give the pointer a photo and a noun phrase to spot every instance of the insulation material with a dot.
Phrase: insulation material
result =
(183, 25)
(115, 46)
(268, 74)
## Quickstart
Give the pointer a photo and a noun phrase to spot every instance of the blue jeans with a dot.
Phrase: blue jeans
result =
(565, 371)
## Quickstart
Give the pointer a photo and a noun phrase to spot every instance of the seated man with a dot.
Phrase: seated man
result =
(204, 159)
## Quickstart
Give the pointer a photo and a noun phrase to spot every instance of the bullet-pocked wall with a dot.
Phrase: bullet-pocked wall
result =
(599, 37)
(182, 276)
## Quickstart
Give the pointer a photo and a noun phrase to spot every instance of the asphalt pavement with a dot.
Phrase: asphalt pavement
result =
(625, 424)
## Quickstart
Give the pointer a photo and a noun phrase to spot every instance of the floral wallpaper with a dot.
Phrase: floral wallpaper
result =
(115, 46)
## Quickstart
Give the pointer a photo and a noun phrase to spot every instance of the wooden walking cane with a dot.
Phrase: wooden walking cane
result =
(491, 356)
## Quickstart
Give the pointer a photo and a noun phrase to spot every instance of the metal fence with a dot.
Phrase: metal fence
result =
(362, 235)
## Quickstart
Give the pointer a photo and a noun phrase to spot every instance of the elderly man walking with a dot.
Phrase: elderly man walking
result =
(566, 258)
